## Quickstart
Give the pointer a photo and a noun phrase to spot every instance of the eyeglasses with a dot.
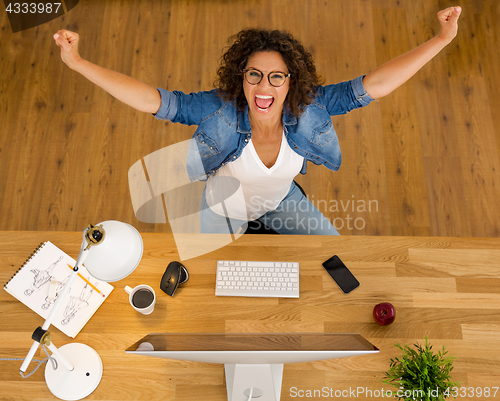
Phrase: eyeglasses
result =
(275, 78)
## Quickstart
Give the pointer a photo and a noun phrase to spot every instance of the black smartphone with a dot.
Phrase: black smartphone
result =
(341, 274)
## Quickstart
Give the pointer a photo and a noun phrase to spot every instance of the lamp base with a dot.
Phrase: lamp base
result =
(82, 380)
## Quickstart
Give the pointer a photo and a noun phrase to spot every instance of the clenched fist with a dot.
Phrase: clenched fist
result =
(68, 42)
(448, 19)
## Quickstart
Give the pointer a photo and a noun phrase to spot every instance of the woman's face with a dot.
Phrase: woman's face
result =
(265, 102)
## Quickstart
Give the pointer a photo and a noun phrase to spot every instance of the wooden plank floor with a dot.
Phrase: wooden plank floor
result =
(421, 161)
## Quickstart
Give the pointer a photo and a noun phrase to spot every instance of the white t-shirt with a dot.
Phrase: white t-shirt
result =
(260, 189)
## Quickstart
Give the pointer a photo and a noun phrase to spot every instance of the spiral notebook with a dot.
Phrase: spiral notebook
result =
(39, 281)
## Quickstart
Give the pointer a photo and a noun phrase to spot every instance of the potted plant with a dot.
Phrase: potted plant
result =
(420, 374)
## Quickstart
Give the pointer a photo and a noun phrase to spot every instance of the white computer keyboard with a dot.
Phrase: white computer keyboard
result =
(257, 279)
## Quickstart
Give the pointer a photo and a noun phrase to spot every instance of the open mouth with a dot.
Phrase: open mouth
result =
(263, 102)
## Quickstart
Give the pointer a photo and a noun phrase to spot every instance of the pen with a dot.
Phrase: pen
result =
(88, 282)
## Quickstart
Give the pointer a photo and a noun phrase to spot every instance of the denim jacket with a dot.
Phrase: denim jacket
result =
(223, 131)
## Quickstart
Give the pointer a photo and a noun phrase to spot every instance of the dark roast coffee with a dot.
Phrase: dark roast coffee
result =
(142, 298)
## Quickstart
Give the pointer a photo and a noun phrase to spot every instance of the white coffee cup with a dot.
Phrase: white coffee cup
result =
(140, 298)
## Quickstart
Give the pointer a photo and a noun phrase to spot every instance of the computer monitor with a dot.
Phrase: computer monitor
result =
(253, 362)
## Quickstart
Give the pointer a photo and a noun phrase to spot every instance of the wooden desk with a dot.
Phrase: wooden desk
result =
(444, 288)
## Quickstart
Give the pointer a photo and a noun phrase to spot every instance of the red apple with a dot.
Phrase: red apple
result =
(384, 313)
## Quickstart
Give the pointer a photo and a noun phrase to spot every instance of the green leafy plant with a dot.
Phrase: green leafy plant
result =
(421, 374)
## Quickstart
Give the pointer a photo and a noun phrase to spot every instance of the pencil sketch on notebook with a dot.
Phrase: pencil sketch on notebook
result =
(41, 278)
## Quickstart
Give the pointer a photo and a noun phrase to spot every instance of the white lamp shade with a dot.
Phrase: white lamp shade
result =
(117, 255)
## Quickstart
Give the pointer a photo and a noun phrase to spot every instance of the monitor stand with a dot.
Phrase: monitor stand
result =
(264, 380)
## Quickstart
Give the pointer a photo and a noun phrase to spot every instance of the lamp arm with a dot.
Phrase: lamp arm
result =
(60, 357)
(81, 257)
(30, 356)
(49, 319)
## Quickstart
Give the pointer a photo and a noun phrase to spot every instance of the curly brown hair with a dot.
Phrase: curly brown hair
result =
(299, 61)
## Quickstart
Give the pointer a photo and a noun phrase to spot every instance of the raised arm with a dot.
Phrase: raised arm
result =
(130, 91)
(389, 76)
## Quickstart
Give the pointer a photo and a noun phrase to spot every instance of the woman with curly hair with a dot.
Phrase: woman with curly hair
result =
(267, 116)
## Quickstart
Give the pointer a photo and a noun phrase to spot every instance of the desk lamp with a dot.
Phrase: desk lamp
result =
(111, 251)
